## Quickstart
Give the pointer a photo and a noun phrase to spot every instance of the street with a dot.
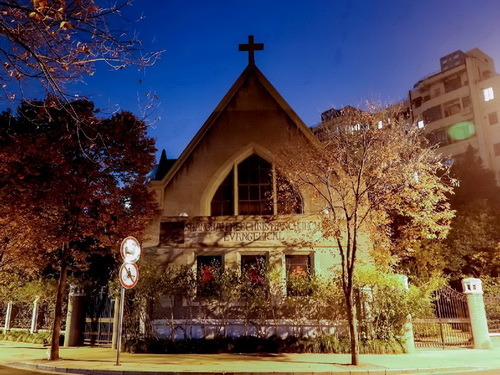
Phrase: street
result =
(14, 371)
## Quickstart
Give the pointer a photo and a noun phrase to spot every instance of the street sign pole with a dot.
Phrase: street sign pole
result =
(130, 250)
(120, 325)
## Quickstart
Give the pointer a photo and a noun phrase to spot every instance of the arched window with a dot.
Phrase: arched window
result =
(259, 191)
(223, 201)
(255, 187)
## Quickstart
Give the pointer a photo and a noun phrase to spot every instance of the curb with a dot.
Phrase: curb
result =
(71, 370)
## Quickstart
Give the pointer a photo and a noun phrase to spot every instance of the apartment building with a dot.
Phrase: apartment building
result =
(459, 106)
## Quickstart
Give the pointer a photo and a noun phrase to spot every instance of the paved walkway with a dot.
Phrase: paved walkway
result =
(97, 361)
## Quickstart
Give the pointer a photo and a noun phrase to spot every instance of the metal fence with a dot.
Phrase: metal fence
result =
(22, 316)
(492, 307)
(448, 324)
(3, 311)
(46, 316)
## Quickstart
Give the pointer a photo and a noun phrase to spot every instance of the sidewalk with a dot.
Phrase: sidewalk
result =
(97, 361)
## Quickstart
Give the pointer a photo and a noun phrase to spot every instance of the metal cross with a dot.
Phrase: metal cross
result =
(251, 47)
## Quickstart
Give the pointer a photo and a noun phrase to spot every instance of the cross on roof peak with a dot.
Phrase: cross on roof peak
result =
(251, 47)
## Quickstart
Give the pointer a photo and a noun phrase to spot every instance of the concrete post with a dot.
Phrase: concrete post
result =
(408, 337)
(142, 321)
(364, 297)
(75, 318)
(479, 324)
(8, 317)
(116, 315)
(34, 317)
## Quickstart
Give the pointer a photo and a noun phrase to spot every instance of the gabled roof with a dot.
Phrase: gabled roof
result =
(250, 70)
(163, 166)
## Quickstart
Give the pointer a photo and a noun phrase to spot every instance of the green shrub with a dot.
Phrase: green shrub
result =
(382, 347)
(42, 337)
(252, 344)
(382, 303)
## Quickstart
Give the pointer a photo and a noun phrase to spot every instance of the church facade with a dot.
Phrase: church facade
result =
(218, 201)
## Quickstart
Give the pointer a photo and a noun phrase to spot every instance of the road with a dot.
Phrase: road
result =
(15, 371)
(475, 372)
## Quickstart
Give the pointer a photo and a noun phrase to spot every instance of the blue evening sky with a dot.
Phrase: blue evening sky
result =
(318, 54)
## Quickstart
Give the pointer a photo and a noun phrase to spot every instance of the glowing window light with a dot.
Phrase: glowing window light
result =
(488, 94)
(420, 124)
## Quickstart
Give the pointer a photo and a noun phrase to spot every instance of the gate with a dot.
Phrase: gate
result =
(448, 324)
(99, 320)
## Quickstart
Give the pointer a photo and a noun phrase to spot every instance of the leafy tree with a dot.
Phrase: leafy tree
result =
(69, 193)
(473, 242)
(55, 41)
(472, 246)
(424, 261)
(474, 180)
(371, 178)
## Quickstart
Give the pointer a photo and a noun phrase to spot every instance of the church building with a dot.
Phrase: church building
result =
(217, 200)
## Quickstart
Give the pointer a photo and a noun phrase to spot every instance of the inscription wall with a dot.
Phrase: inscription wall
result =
(238, 230)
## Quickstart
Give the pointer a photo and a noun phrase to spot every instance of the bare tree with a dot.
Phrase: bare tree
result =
(379, 185)
(53, 42)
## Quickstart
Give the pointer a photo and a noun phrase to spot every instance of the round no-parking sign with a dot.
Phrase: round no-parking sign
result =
(129, 275)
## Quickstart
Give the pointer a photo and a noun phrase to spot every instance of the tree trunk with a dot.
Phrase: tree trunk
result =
(353, 328)
(61, 287)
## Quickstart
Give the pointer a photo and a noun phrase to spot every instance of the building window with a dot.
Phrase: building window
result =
(255, 187)
(223, 201)
(209, 271)
(442, 137)
(488, 94)
(439, 137)
(258, 185)
(421, 124)
(493, 118)
(496, 149)
(298, 275)
(253, 269)
(432, 114)
(451, 108)
(452, 84)
(466, 102)
(417, 102)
